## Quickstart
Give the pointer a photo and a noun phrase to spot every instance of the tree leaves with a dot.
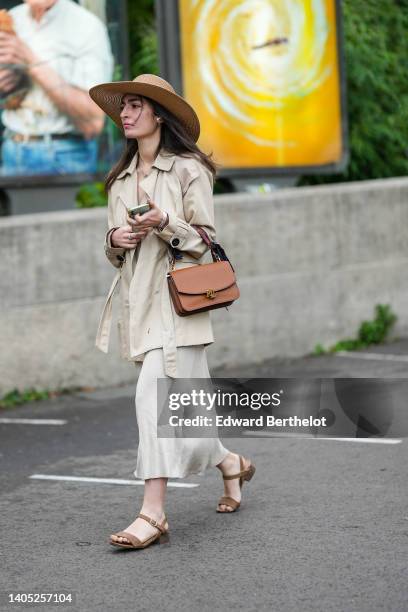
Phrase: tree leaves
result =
(376, 58)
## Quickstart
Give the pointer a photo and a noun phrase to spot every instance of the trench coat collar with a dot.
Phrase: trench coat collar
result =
(128, 189)
(164, 161)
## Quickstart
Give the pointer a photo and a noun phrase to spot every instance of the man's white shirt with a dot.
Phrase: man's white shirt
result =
(72, 41)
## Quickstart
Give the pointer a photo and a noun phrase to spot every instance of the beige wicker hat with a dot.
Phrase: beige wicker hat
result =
(108, 97)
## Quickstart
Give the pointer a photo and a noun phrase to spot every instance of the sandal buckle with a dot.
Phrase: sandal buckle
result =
(153, 522)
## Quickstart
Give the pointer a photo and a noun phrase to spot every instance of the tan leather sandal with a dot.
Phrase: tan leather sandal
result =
(242, 475)
(161, 536)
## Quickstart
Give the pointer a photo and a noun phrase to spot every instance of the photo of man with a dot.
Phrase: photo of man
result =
(51, 53)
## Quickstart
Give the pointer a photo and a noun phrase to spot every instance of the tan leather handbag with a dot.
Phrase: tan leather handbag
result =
(206, 286)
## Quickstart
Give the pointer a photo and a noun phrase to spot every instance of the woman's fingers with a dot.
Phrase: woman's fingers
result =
(135, 223)
(131, 222)
(140, 222)
(130, 237)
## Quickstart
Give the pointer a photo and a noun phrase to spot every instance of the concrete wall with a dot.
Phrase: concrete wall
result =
(311, 264)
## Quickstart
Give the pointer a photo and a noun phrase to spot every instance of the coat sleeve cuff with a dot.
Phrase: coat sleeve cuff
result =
(116, 255)
(176, 231)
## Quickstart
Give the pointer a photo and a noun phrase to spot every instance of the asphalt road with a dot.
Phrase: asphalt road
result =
(323, 524)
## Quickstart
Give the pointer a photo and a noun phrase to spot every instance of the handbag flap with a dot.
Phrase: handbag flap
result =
(198, 279)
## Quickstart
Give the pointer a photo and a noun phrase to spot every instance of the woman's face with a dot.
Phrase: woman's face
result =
(137, 117)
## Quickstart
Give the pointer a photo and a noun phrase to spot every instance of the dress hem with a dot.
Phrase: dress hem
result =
(186, 474)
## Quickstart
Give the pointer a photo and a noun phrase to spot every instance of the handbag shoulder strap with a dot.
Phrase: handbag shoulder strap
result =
(217, 252)
(203, 235)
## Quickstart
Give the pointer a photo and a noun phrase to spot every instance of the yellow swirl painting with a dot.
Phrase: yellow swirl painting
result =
(264, 79)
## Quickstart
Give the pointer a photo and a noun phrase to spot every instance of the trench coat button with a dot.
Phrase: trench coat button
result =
(120, 257)
(175, 242)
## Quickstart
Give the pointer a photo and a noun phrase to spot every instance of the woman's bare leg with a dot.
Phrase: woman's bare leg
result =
(153, 506)
(230, 465)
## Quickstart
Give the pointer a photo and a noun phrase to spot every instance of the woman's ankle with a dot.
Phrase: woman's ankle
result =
(155, 512)
(228, 462)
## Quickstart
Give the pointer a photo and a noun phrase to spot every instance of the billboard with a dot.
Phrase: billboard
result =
(266, 79)
(51, 53)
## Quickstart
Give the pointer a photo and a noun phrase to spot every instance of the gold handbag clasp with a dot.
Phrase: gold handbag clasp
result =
(210, 293)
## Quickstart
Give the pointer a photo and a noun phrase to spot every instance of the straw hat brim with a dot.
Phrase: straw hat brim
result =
(108, 97)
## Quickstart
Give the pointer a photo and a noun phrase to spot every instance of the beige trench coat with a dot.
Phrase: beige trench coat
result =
(184, 188)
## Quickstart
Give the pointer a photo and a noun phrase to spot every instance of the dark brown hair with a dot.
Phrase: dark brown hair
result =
(174, 137)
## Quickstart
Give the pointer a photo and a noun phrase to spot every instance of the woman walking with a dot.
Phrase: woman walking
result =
(161, 165)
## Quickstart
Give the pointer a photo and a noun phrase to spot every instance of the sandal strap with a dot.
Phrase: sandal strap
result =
(241, 473)
(229, 501)
(154, 523)
(129, 536)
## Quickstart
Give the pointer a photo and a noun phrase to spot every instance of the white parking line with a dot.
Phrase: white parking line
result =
(33, 421)
(372, 356)
(116, 481)
(267, 434)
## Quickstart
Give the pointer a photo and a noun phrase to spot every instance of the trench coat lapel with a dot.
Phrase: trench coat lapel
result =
(128, 192)
(126, 199)
(148, 184)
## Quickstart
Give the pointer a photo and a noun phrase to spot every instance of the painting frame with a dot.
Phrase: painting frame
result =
(170, 62)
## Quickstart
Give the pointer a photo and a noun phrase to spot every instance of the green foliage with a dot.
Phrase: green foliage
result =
(319, 350)
(376, 51)
(142, 38)
(369, 332)
(91, 195)
(349, 344)
(375, 332)
(16, 397)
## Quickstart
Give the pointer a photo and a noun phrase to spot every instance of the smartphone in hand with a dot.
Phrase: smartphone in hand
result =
(138, 210)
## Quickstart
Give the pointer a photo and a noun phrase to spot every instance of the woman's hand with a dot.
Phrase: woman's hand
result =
(126, 238)
(148, 220)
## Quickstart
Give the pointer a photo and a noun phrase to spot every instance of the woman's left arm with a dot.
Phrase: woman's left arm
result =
(198, 204)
